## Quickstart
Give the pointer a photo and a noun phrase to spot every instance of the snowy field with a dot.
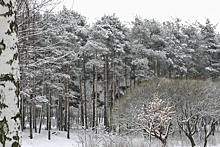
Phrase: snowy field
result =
(57, 140)
(79, 139)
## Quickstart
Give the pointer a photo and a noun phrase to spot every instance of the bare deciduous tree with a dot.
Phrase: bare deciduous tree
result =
(156, 118)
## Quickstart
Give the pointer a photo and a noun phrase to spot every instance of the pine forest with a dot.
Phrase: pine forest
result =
(152, 79)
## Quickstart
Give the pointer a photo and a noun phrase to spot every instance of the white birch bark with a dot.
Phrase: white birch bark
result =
(9, 74)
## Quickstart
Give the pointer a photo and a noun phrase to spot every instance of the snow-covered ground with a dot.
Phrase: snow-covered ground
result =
(79, 139)
(58, 139)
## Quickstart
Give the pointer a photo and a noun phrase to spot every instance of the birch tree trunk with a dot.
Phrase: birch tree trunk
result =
(9, 74)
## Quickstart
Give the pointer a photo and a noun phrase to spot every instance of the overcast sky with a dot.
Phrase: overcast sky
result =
(161, 10)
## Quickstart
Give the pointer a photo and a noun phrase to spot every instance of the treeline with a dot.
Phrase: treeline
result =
(73, 71)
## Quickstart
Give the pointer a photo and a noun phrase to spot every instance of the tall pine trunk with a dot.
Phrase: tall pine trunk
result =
(30, 116)
(81, 98)
(60, 113)
(68, 119)
(106, 93)
(93, 99)
(84, 84)
(49, 115)
(96, 97)
(66, 97)
(113, 92)
(41, 118)
(81, 101)
(34, 118)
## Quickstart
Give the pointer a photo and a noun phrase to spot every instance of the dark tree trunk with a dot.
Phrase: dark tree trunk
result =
(49, 115)
(60, 113)
(41, 118)
(81, 102)
(106, 93)
(205, 142)
(22, 113)
(35, 119)
(130, 80)
(134, 76)
(96, 97)
(191, 141)
(30, 115)
(85, 99)
(68, 120)
(65, 108)
(65, 114)
(93, 99)
(164, 142)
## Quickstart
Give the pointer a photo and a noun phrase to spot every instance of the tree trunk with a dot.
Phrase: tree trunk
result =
(47, 111)
(34, 79)
(191, 141)
(30, 117)
(68, 119)
(130, 80)
(65, 109)
(49, 115)
(9, 76)
(134, 76)
(205, 142)
(155, 68)
(85, 100)
(158, 68)
(189, 131)
(106, 93)
(41, 118)
(81, 101)
(96, 97)
(22, 101)
(113, 92)
(208, 132)
(34, 118)
(66, 91)
(93, 99)
(61, 113)
(164, 142)
(22, 113)
(126, 78)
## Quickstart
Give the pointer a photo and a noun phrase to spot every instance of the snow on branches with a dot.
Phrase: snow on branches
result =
(156, 118)
(155, 113)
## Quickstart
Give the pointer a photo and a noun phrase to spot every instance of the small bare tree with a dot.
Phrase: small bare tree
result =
(209, 111)
(156, 118)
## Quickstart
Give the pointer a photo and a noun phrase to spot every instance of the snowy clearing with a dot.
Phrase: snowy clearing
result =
(57, 140)
(79, 139)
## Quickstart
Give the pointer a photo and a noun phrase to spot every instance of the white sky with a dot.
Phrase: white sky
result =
(161, 10)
